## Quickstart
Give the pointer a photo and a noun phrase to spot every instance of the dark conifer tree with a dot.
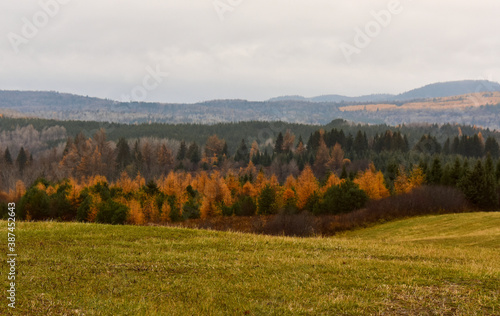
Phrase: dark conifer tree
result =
(344, 174)
(181, 154)
(455, 172)
(480, 188)
(278, 146)
(123, 156)
(447, 147)
(193, 153)
(7, 157)
(491, 146)
(242, 153)
(436, 171)
(21, 160)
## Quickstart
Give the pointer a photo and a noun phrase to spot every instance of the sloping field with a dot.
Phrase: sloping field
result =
(445, 103)
(436, 265)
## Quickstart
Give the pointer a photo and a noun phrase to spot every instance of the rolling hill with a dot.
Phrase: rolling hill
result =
(321, 110)
(439, 265)
(434, 90)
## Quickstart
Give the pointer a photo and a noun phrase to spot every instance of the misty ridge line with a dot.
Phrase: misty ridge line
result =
(155, 76)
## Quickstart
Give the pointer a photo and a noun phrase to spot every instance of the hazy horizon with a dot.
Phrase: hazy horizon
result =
(188, 52)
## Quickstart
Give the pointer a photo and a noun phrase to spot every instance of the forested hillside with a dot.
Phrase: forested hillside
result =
(475, 103)
(358, 174)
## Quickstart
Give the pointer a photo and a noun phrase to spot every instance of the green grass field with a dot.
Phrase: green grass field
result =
(435, 265)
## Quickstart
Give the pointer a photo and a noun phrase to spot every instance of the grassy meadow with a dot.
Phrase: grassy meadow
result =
(433, 265)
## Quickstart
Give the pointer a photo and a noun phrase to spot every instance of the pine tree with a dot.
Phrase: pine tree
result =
(456, 172)
(242, 153)
(193, 153)
(21, 160)
(360, 144)
(436, 171)
(123, 156)
(181, 154)
(7, 157)
(480, 188)
(491, 146)
(344, 174)
(278, 146)
(267, 201)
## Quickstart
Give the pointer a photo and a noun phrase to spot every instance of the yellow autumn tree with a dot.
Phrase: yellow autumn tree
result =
(135, 215)
(405, 183)
(332, 180)
(306, 186)
(126, 184)
(216, 193)
(232, 183)
(165, 212)
(290, 182)
(372, 182)
(249, 190)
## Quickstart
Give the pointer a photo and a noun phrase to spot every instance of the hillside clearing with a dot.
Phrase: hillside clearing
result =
(448, 264)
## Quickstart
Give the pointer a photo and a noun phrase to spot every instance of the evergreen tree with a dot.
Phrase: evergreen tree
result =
(480, 188)
(123, 156)
(278, 146)
(428, 145)
(424, 167)
(267, 201)
(447, 147)
(436, 171)
(224, 150)
(455, 172)
(181, 154)
(489, 168)
(360, 144)
(193, 153)
(242, 154)
(491, 146)
(7, 157)
(344, 174)
(21, 160)
(343, 198)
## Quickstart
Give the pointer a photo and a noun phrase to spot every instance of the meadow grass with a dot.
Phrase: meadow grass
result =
(432, 265)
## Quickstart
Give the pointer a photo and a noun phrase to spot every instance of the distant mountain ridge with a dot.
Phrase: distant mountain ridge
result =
(434, 90)
(481, 110)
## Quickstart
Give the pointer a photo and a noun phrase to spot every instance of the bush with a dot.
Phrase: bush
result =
(36, 203)
(343, 198)
(111, 212)
(191, 209)
(303, 224)
(245, 206)
(83, 210)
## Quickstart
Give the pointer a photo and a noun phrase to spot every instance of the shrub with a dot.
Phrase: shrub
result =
(191, 209)
(36, 203)
(303, 224)
(267, 201)
(343, 198)
(83, 210)
(111, 212)
(245, 206)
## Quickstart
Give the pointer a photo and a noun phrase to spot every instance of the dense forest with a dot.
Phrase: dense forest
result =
(169, 178)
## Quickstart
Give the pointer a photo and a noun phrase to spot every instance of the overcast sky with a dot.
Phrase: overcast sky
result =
(245, 49)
